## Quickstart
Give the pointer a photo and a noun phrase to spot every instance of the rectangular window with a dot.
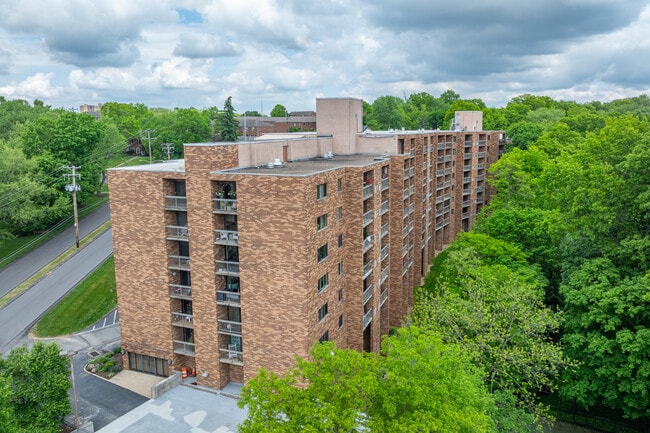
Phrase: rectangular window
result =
(340, 268)
(340, 241)
(322, 253)
(325, 337)
(321, 222)
(321, 191)
(340, 295)
(323, 282)
(341, 321)
(322, 312)
(340, 184)
(340, 213)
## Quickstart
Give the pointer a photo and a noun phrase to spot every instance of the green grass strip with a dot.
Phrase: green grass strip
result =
(87, 303)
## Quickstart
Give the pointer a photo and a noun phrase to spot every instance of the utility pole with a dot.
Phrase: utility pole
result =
(73, 188)
(149, 138)
(169, 149)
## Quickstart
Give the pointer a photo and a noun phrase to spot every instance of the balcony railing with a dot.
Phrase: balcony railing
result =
(367, 243)
(406, 173)
(367, 218)
(383, 297)
(411, 189)
(384, 207)
(384, 276)
(384, 184)
(468, 143)
(442, 185)
(226, 237)
(465, 215)
(179, 291)
(384, 230)
(412, 171)
(227, 268)
(481, 154)
(367, 269)
(367, 294)
(367, 318)
(441, 146)
(467, 156)
(480, 177)
(225, 205)
(182, 319)
(225, 297)
(467, 167)
(175, 202)
(177, 233)
(231, 356)
(480, 166)
(384, 252)
(178, 262)
(405, 250)
(228, 327)
(467, 202)
(184, 348)
(406, 193)
(367, 191)
(481, 142)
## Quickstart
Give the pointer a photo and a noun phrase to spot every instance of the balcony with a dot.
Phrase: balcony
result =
(384, 252)
(467, 202)
(384, 184)
(467, 167)
(448, 145)
(175, 202)
(226, 237)
(480, 166)
(367, 218)
(383, 297)
(225, 206)
(177, 233)
(468, 143)
(411, 190)
(367, 269)
(467, 179)
(442, 185)
(441, 146)
(384, 230)
(466, 191)
(405, 250)
(384, 207)
(479, 201)
(182, 319)
(406, 173)
(184, 348)
(406, 211)
(480, 177)
(367, 294)
(181, 263)
(230, 328)
(465, 215)
(227, 268)
(481, 154)
(231, 299)
(412, 171)
(481, 143)
(479, 189)
(367, 191)
(367, 318)
(384, 276)
(231, 356)
(367, 243)
(179, 291)
(467, 156)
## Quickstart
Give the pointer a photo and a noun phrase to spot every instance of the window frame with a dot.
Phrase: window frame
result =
(323, 282)
(322, 253)
(321, 191)
(321, 222)
(322, 312)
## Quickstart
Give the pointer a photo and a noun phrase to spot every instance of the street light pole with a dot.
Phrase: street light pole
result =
(73, 188)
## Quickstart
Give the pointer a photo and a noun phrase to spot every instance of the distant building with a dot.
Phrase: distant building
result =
(243, 255)
(297, 121)
(93, 110)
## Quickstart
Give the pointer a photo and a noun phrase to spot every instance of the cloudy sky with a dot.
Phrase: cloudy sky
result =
(182, 53)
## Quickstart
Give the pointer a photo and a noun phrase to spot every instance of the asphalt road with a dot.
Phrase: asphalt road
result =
(20, 314)
(23, 268)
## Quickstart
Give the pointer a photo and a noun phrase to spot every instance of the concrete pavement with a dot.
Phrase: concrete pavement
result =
(23, 268)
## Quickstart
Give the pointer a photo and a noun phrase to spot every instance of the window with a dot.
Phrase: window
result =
(339, 184)
(340, 241)
(325, 337)
(322, 253)
(341, 321)
(323, 282)
(321, 191)
(340, 213)
(322, 312)
(340, 295)
(340, 268)
(321, 222)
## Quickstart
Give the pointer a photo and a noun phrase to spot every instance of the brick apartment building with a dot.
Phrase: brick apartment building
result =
(255, 126)
(243, 255)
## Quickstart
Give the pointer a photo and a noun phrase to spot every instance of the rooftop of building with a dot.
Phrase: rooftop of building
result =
(309, 166)
(173, 165)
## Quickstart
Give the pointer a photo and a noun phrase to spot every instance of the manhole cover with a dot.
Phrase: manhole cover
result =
(94, 354)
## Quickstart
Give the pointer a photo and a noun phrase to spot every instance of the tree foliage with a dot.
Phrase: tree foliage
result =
(419, 384)
(229, 123)
(279, 111)
(38, 382)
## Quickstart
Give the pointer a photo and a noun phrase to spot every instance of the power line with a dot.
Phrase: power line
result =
(74, 188)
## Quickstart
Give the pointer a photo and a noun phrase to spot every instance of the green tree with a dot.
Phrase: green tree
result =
(523, 134)
(419, 384)
(279, 111)
(229, 123)
(38, 378)
(387, 113)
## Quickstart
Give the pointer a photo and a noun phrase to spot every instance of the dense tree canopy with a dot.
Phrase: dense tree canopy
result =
(279, 111)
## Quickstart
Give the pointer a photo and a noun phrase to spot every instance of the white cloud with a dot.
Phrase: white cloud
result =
(35, 87)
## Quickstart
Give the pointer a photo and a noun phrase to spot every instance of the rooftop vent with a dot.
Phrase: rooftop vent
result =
(277, 162)
(270, 164)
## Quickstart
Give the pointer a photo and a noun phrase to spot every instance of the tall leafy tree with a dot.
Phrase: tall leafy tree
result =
(279, 111)
(38, 378)
(229, 123)
(387, 113)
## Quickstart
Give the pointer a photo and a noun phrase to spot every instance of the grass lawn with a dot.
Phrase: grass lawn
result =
(91, 300)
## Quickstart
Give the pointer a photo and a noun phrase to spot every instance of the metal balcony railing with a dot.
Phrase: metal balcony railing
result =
(175, 202)
(178, 262)
(406, 173)
(226, 237)
(229, 327)
(225, 205)
(384, 252)
(367, 294)
(384, 230)
(367, 318)
(384, 276)
(367, 191)
(231, 356)
(182, 319)
(384, 207)
(184, 348)
(383, 297)
(367, 218)
(177, 233)
(367, 243)
(179, 291)
(225, 297)
(227, 268)
(384, 184)
(367, 269)
(468, 143)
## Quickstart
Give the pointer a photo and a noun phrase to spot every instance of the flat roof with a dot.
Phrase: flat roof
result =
(173, 165)
(305, 167)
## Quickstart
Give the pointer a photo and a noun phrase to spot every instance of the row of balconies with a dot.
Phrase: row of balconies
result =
(229, 356)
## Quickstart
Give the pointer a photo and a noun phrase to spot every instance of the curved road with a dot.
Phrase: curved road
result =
(21, 313)
(23, 268)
